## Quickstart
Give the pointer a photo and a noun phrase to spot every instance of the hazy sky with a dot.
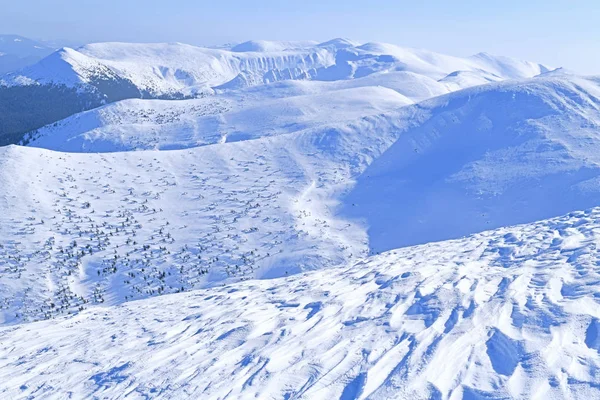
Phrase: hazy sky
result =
(555, 32)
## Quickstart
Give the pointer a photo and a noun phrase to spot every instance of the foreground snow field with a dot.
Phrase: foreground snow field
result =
(505, 313)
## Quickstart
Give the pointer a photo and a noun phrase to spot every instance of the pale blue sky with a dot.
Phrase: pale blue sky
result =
(555, 32)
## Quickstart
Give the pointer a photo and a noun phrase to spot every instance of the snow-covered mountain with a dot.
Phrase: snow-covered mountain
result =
(70, 81)
(510, 313)
(248, 76)
(17, 52)
(261, 231)
(180, 69)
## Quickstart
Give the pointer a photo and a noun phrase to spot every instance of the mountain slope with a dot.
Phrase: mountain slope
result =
(112, 227)
(515, 311)
(160, 124)
(485, 157)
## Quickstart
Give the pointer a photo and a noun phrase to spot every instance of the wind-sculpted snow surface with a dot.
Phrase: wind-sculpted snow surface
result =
(510, 313)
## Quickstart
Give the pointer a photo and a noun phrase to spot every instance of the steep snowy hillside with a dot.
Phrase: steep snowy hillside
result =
(78, 229)
(485, 157)
(511, 313)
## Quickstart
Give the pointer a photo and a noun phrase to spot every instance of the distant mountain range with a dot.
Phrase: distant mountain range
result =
(180, 70)
(17, 52)
(69, 81)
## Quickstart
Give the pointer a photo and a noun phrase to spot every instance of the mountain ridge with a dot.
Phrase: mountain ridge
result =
(115, 55)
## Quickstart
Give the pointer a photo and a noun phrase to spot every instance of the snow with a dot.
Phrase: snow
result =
(506, 66)
(66, 66)
(464, 79)
(510, 313)
(486, 157)
(335, 220)
(288, 184)
(269, 46)
(339, 43)
(163, 124)
(176, 68)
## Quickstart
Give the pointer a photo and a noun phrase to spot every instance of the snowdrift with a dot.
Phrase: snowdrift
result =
(510, 313)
